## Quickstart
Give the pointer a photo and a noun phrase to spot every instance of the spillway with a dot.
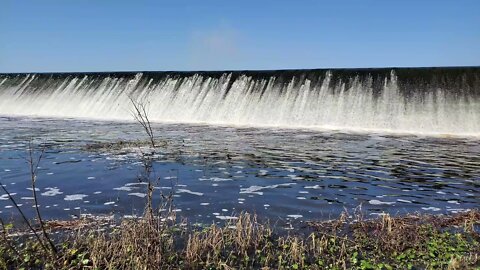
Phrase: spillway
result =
(399, 100)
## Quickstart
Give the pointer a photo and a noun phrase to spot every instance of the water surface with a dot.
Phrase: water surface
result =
(216, 172)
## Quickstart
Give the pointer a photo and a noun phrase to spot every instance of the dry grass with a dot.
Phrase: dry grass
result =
(414, 241)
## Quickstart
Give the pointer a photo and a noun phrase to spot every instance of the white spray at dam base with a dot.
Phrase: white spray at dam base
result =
(205, 100)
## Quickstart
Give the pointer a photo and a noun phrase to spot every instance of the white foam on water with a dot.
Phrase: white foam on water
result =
(295, 177)
(75, 197)
(226, 217)
(215, 179)
(4, 197)
(378, 202)
(314, 187)
(377, 214)
(124, 188)
(136, 184)
(51, 192)
(458, 210)
(257, 189)
(181, 190)
(137, 194)
(431, 208)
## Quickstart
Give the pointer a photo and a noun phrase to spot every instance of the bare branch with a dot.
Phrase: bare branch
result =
(141, 116)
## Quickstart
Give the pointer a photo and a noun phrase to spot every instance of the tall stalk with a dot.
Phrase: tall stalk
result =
(33, 177)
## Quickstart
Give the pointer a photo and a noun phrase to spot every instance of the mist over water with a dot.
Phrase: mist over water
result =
(418, 101)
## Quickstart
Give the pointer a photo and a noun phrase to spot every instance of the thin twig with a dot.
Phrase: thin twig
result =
(141, 116)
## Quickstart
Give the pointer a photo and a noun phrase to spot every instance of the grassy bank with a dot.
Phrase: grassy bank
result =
(349, 242)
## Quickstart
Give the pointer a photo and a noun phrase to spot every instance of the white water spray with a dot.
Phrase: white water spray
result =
(203, 99)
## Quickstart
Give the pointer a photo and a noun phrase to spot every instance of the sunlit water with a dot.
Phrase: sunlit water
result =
(217, 172)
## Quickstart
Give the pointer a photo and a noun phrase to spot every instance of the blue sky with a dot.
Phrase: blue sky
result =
(107, 35)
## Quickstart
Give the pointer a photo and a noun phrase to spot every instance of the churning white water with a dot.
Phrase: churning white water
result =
(244, 100)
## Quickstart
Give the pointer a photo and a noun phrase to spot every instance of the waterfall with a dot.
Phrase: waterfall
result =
(419, 101)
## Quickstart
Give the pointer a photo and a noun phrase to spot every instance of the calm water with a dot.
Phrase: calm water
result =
(217, 172)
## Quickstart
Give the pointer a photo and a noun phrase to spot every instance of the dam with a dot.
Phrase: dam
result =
(442, 101)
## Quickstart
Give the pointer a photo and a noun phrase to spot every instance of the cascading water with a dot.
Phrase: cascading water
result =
(421, 101)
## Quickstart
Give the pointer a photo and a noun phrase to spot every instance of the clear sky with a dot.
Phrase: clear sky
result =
(115, 35)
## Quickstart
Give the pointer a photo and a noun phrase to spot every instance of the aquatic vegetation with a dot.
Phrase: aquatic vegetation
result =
(120, 145)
